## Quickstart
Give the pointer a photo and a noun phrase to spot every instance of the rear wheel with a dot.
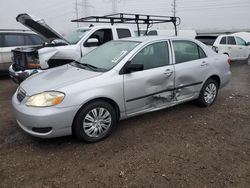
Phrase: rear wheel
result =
(95, 121)
(208, 93)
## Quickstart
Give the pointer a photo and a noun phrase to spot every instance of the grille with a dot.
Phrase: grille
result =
(21, 94)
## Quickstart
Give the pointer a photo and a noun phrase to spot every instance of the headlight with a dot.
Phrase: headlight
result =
(48, 98)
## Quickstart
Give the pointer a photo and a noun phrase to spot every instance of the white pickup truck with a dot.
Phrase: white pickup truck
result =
(61, 50)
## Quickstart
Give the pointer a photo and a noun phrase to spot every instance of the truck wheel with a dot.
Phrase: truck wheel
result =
(208, 93)
(95, 121)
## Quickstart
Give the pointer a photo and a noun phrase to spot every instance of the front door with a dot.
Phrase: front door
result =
(151, 88)
(102, 36)
(243, 48)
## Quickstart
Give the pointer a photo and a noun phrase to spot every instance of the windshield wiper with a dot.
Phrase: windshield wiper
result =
(88, 66)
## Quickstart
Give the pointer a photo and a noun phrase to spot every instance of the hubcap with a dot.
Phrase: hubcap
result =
(210, 93)
(97, 122)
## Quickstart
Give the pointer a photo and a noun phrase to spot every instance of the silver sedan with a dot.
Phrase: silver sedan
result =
(118, 80)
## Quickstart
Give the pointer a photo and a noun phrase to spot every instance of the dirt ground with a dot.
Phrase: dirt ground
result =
(183, 146)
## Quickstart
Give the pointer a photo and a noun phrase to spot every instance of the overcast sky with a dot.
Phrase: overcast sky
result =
(195, 14)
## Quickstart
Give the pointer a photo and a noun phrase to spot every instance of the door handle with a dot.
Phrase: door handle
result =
(168, 72)
(229, 48)
(204, 63)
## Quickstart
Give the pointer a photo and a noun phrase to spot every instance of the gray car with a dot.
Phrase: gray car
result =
(118, 80)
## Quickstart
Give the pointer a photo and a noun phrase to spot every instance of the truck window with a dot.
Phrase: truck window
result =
(102, 35)
(123, 33)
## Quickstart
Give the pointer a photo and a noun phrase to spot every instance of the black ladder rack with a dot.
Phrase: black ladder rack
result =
(138, 19)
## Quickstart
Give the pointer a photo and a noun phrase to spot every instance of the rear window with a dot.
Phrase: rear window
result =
(123, 33)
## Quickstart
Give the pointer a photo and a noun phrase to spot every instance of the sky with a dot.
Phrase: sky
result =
(195, 14)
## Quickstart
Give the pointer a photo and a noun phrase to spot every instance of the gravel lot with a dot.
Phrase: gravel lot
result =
(183, 146)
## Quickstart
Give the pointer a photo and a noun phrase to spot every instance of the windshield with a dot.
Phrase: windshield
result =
(75, 36)
(108, 55)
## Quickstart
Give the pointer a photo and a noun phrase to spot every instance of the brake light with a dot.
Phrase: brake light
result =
(229, 61)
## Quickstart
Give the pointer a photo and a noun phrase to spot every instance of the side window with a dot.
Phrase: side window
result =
(231, 41)
(185, 51)
(223, 40)
(201, 53)
(1, 40)
(13, 40)
(102, 35)
(240, 41)
(123, 33)
(153, 56)
(36, 40)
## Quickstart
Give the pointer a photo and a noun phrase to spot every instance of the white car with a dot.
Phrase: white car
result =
(235, 47)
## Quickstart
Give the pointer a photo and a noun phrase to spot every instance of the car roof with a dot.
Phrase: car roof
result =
(153, 38)
(16, 31)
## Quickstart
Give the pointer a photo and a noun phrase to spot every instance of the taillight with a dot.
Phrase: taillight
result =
(229, 61)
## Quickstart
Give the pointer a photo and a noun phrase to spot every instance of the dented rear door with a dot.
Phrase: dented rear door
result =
(191, 69)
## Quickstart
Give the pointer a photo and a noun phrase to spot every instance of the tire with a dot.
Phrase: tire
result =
(248, 60)
(95, 121)
(208, 93)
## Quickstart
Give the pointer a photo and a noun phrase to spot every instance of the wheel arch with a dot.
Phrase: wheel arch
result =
(108, 100)
(216, 78)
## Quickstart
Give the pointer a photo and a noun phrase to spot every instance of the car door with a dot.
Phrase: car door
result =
(233, 49)
(243, 48)
(102, 36)
(152, 87)
(191, 69)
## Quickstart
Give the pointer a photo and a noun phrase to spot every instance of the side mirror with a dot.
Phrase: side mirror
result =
(128, 68)
(92, 42)
(247, 43)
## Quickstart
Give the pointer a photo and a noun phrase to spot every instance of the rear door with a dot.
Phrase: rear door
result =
(152, 87)
(191, 69)
(233, 49)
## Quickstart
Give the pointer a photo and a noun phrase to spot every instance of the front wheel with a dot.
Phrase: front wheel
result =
(95, 121)
(248, 60)
(208, 93)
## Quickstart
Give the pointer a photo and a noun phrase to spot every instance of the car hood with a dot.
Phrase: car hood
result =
(56, 78)
(40, 27)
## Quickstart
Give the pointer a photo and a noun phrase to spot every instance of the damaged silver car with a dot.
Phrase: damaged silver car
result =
(118, 80)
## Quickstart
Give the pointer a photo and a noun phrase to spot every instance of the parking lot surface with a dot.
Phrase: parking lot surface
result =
(183, 146)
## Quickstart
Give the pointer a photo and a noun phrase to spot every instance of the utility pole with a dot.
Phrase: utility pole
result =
(85, 8)
(174, 5)
(114, 6)
(76, 11)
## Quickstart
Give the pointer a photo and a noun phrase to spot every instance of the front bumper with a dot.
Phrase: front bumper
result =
(19, 76)
(46, 122)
